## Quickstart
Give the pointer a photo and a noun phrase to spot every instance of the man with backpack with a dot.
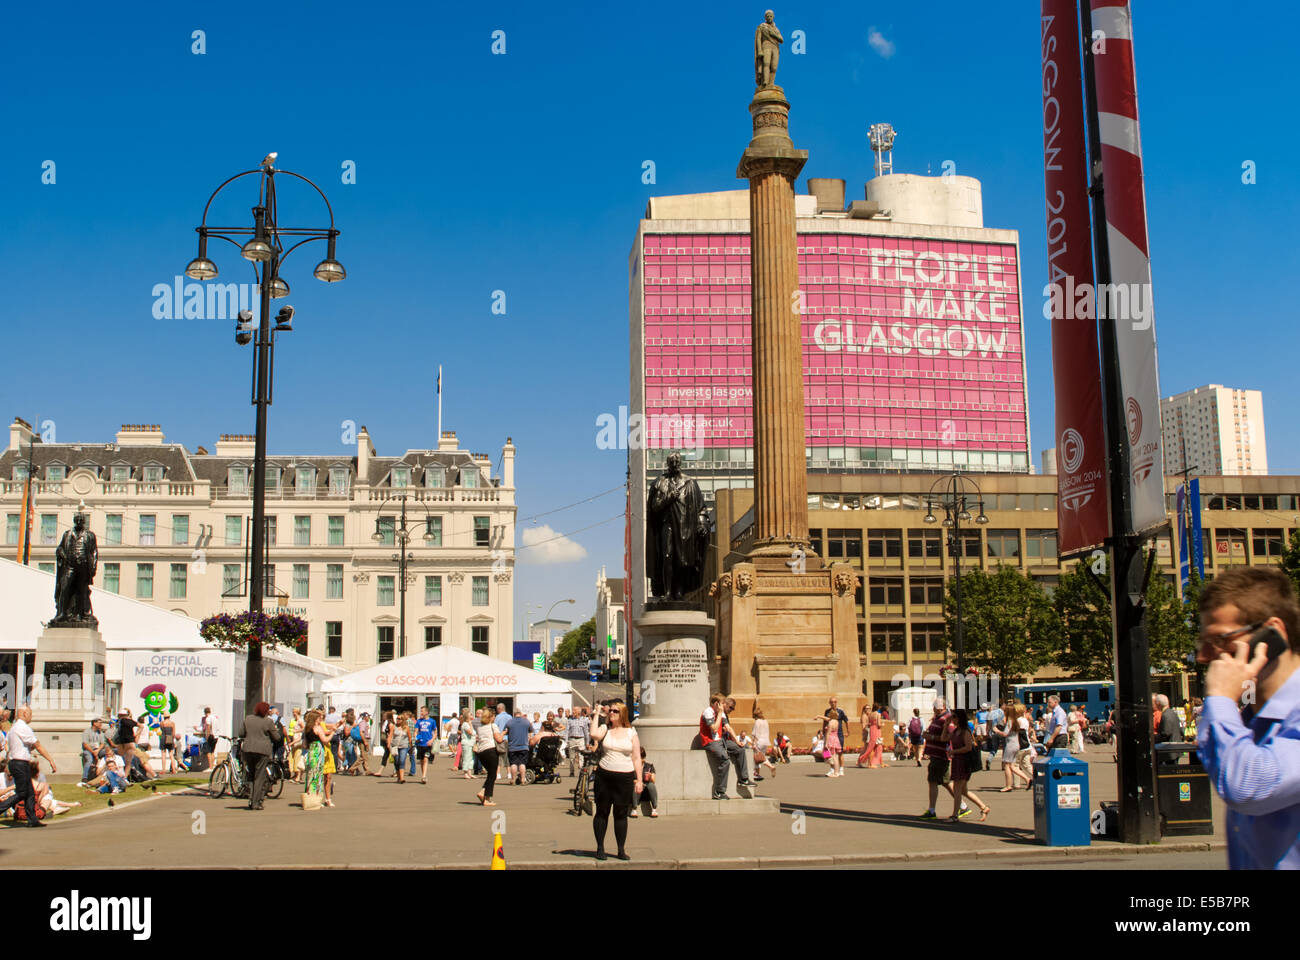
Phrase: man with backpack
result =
(916, 734)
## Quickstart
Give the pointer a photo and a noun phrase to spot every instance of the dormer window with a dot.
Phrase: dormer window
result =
(153, 474)
(339, 481)
(401, 477)
(305, 480)
(272, 478)
(20, 472)
(119, 473)
(435, 476)
(237, 481)
(469, 477)
(56, 473)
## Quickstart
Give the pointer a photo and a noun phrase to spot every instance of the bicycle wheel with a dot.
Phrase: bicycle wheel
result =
(274, 781)
(219, 781)
(580, 792)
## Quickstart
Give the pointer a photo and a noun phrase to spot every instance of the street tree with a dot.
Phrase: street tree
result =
(1007, 622)
(574, 648)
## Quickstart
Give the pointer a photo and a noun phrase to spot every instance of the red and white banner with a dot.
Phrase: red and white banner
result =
(1081, 502)
(1129, 299)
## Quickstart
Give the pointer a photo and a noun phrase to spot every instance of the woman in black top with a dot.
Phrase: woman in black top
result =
(124, 738)
(167, 743)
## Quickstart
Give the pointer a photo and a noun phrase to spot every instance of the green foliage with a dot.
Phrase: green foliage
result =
(1007, 622)
(1083, 642)
(575, 648)
(1291, 560)
(1173, 625)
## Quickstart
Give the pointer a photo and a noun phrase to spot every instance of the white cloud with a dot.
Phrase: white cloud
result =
(547, 547)
(876, 40)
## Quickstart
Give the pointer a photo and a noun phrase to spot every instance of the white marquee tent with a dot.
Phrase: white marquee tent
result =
(450, 673)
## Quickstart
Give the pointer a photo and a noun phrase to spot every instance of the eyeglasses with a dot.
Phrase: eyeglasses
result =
(612, 712)
(1223, 639)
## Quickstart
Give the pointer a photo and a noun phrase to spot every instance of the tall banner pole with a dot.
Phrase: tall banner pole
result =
(1131, 391)
(1081, 503)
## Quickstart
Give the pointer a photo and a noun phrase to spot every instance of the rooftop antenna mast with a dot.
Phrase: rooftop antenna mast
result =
(882, 136)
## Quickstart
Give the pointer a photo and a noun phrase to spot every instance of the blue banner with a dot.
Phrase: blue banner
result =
(524, 650)
(1184, 561)
(1198, 541)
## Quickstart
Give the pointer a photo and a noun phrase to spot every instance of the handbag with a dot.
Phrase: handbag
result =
(1023, 737)
(312, 801)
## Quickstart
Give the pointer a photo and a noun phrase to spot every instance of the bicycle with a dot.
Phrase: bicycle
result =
(582, 803)
(230, 774)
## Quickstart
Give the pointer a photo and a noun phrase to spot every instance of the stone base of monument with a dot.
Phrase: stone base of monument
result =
(674, 693)
(67, 691)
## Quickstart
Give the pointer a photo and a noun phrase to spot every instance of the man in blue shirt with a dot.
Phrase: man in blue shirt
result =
(1252, 751)
(518, 732)
(1055, 735)
(425, 728)
(499, 721)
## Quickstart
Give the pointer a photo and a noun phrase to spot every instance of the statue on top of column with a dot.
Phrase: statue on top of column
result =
(77, 559)
(677, 534)
(767, 51)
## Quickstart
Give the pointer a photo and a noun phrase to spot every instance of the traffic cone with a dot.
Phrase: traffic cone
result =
(498, 853)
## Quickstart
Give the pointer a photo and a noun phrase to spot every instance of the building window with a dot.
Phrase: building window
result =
(144, 581)
(482, 531)
(268, 580)
(301, 581)
(179, 585)
(112, 578)
(153, 474)
(231, 579)
(1003, 544)
(56, 473)
(435, 476)
(479, 640)
(234, 531)
(970, 547)
(479, 597)
(926, 591)
(13, 526)
(1040, 544)
(1229, 545)
(432, 637)
(928, 641)
(433, 591)
(469, 477)
(888, 642)
(385, 645)
(886, 591)
(305, 480)
(270, 531)
(339, 477)
(387, 531)
(815, 541)
(1267, 543)
(400, 477)
(843, 544)
(335, 531)
(384, 591)
(302, 531)
(45, 567)
(885, 544)
(49, 528)
(113, 528)
(180, 529)
(148, 526)
(333, 581)
(333, 638)
(925, 545)
(433, 527)
(119, 474)
(272, 478)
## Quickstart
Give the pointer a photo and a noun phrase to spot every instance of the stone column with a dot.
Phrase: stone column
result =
(771, 163)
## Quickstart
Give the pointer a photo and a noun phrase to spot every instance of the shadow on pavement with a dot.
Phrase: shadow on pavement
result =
(1012, 835)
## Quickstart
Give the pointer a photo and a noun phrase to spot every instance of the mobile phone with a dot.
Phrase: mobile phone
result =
(1276, 645)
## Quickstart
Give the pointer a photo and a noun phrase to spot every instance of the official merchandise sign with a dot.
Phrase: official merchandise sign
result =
(180, 682)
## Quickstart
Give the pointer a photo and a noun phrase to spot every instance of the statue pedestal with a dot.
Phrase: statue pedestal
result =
(67, 691)
(674, 692)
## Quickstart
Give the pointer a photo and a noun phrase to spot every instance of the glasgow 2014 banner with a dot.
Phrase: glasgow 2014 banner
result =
(1082, 497)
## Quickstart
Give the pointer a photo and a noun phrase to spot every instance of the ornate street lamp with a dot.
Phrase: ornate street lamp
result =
(264, 249)
(402, 536)
(955, 493)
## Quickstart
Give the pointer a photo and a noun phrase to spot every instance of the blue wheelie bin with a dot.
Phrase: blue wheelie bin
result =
(1061, 810)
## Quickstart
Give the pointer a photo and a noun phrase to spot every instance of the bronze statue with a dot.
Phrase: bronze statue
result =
(767, 51)
(677, 533)
(77, 560)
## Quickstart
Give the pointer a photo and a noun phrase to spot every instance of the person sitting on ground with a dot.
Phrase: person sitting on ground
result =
(110, 781)
(818, 746)
(782, 746)
(649, 791)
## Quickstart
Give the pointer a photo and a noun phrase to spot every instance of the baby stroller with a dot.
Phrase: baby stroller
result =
(543, 761)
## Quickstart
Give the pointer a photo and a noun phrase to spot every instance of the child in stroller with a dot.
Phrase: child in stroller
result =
(545, 757)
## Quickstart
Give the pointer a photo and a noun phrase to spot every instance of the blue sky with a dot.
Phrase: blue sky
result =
(522, 173)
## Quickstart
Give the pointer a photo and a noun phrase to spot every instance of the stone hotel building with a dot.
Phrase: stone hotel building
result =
(173, 530)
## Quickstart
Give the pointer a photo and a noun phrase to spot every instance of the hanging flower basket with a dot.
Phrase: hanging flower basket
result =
(235, 631)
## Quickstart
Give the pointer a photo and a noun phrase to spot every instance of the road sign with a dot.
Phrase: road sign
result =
(539, 662)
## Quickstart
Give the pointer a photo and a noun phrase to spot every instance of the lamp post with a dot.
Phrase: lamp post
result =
(547, 621)
(954, 497)
(265, 251)
(402, 537)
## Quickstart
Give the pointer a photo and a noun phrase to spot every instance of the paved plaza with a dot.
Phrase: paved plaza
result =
(865, 818)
